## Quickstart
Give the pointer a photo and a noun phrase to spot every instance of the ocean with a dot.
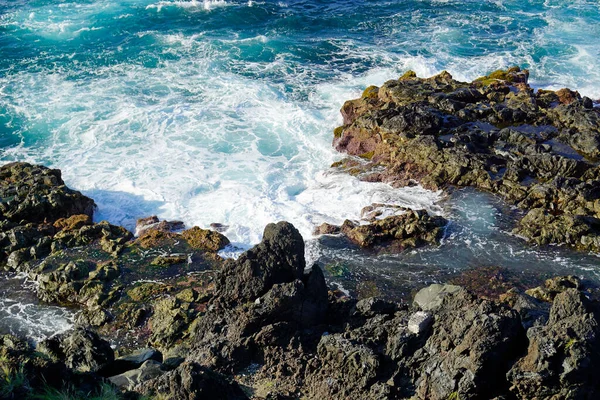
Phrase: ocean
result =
(222, 111)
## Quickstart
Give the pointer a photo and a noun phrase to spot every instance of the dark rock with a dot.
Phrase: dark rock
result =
(36, 194)
(153, 223)
(279, 258)
(563, 354)
(536, 150)
(326, 229)
(472, 345)
(80, 349)
(191, 381)
(411, 229)
(215, 226)
(532, 311)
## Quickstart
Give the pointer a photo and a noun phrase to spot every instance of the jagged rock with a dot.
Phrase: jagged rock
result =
(80, 349)
(412, 229)
(170, 320)
(191, 381)
(278, 258)
(349, 368)
(535, 149)
(472, 345)
(563, 354)
(533, 312)
(110, 237)
(553, 287)
(35, 193)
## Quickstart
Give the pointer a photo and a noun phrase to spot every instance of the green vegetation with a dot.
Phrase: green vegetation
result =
(105, 392)
(570, 344)
(408, 75)
(12, 381)
(336, 269)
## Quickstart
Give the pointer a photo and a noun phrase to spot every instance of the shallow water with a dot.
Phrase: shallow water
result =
(21, 313)
(223, 110)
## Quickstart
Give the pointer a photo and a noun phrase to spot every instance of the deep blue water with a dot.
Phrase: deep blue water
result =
(223, 111)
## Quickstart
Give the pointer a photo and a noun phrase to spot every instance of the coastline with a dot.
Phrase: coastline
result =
(267, 326)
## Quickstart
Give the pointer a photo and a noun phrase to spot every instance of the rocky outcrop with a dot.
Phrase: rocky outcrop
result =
(562, 354)
(81, 350)
(535, 149)
(37, 194)
(192, 381)
(279, 258)
(394, 233)
(264, 326)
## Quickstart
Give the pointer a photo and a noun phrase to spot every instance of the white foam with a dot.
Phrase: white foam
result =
(34, 321)
(206, 5)
(209, 137)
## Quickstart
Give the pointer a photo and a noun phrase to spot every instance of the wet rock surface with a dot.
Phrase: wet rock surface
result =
(266, 325)
(536, 149)
(393, 233)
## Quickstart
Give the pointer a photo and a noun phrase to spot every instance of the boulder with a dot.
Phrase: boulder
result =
(191, 381)
(411, 229)
(131, 361)
(80, 349)
(432, 296)
(279, 258)
(205, 239)
(472, 345)
(128, 380)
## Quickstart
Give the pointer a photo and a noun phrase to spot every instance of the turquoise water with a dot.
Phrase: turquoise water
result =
(223, 111)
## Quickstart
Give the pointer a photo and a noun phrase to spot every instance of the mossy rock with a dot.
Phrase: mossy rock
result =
(147, 290)
(154, 238)
(368, 155)
(205, 239)
(337, 132)
(408, 75)
(74, 222)
(188, 295)
(165, 261)
(371, 92)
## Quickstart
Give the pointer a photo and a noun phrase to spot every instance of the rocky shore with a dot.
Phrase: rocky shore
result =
(163, 316)
(536, 149)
